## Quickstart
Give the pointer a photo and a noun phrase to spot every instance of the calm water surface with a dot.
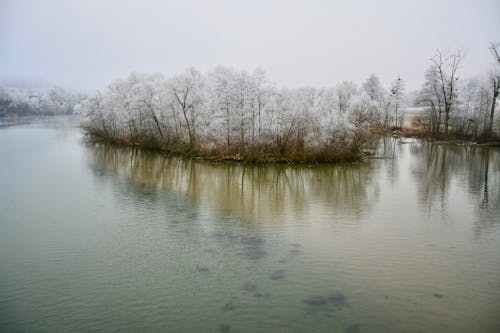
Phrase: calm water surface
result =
(100, 238)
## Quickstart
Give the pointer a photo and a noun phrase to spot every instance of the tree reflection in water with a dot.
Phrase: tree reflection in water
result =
(341, 192)
(257, 193)
(438, 167)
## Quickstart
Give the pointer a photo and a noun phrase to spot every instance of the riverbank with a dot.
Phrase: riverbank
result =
(417, 134)
(258, 155)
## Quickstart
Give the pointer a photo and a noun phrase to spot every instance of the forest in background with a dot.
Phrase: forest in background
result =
(25, 99)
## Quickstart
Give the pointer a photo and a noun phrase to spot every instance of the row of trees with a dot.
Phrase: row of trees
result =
(36, 101)
(233, 113)
(459, 107)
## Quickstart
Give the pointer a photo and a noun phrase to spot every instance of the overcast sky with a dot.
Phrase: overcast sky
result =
(87, 43)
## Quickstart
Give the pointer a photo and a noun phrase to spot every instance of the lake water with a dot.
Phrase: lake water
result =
(101, 238)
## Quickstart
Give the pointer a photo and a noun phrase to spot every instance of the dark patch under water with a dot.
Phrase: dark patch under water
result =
(224, 236)
(250, 287)
(315, 300)
(438, 295)
(337, 299)
(356, 328)
(224, 328)
(278, 274)
(494, 284)
(255, 254)
(259, 295)
(252, 240)
(253, 247)
(229, 306)
(201, 269)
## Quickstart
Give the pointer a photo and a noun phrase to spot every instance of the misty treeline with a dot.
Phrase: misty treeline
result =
(24, 101)
(233, 113)
(457, 107)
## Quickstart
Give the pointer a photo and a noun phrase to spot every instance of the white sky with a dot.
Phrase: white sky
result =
(87, 43)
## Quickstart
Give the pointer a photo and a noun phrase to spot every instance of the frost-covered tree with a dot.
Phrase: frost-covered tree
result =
(378, 95)
(431, 96)
(459, 107)
(187, 95)
(395, 96)
(37, 101)
(229, 112)
(494, 78)
(444, 69)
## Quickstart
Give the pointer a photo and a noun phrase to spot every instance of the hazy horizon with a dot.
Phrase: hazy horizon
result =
(86, 44)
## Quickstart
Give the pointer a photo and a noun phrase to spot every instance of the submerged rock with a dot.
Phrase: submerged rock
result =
(252, 240)
(315, 300)
(223, 236)
(249, 287)
(438, 295)
(255, 254)
(229, 306)
(253, 247)
(278, 274)
(224, 328)
(356, 328)
(494, 284)
(202, 269)
(337, 299)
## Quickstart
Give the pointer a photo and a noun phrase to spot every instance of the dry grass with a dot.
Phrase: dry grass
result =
(262, 154)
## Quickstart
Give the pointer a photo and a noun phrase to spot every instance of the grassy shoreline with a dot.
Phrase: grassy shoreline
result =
(270, 157)
(221, 155)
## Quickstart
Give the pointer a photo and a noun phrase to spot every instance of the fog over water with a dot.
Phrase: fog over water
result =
(250, 166)
(86, 44)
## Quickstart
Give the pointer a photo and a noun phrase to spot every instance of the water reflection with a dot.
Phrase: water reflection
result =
(131, 240)
(440, 168)
(254, 193)
(350, 220)
(387, 149)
